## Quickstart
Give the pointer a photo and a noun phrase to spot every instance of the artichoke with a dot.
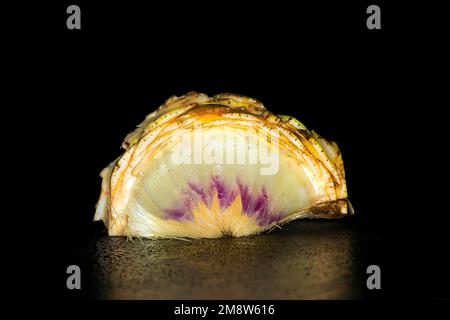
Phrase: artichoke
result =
(207, 167)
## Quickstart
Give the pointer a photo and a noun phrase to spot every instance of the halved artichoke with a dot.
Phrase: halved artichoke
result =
(206, 167)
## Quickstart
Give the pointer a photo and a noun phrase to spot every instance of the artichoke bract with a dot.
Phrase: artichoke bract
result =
(207, 167)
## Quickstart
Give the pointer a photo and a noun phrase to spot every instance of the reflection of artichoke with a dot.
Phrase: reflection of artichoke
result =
(153, 191)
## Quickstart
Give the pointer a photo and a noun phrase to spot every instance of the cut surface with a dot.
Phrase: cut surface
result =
(204, 167)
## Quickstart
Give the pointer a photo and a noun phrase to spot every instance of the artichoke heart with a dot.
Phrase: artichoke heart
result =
(207, 167)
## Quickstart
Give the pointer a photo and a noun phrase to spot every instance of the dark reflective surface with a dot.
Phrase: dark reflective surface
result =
(305, 260)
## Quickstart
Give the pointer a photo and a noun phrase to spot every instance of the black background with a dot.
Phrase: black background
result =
(369, 90)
